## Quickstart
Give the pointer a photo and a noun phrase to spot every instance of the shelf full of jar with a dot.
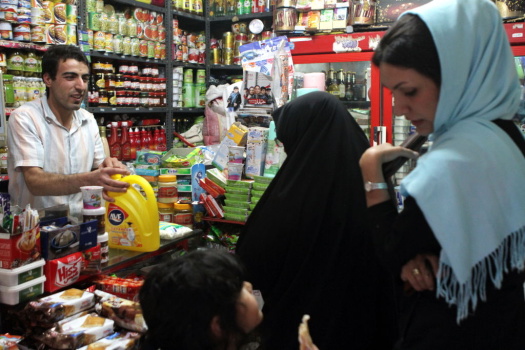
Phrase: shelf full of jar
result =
(142, 4)
(129, 58)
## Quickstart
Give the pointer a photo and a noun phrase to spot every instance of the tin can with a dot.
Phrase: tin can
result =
(59, 11)
(91, 41)
(104, 22)
(71, 34)
(158, 51)
(49, 15)
(50, 33)
(126, 46)
(108, 46)
(99, 41)
(71, 14)
(37, 16)
(94, 21)
(266, 35)
(21, 32)
(285, 19)
(227, 40)
(38, 34)
(364, 12)
(162, 34)
(143, 48)
(227, 56)
(193, 55)
(163, 51)
(216, 55)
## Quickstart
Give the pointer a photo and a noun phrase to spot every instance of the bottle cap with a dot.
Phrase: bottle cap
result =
(103, 237)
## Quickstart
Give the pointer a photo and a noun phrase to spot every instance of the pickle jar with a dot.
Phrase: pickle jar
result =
(167, 192)
(165, 211)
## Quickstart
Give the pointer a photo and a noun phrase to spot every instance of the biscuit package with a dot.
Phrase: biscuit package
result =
(56, 307)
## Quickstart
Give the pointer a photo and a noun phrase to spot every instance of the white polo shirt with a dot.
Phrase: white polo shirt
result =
(36, 138)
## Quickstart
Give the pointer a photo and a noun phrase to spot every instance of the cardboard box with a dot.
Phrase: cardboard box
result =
(19, 249)
(256, 144)
(62, 241)
(389, 10)
(236, 136)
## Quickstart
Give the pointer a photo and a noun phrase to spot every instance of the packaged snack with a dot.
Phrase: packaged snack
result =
(125, 313)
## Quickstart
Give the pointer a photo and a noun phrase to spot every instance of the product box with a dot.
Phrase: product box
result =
(340, 16)
(389, 10)
(62, 241)
(19, 249)
(182, 157)
(149, 157)
(236, 136)
(256, 145)
(62, 272)
(325, 23)
(175, 171)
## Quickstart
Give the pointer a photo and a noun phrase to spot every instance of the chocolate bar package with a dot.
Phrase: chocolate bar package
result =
(389, 10)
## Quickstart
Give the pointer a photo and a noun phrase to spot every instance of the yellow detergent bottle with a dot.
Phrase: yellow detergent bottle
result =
(132, 221)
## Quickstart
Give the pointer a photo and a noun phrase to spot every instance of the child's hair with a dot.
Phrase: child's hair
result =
(180, 298)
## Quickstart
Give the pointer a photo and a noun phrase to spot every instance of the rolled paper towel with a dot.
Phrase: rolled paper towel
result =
(314, 80)
(304, 91)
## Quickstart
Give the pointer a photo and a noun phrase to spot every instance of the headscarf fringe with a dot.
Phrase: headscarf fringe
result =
(510, 255)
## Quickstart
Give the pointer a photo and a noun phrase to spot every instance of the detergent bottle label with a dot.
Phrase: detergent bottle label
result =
(122, 230)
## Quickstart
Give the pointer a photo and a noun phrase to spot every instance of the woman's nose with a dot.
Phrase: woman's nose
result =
(400, 107)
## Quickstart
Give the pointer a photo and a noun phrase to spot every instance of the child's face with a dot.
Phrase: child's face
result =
(248, 314)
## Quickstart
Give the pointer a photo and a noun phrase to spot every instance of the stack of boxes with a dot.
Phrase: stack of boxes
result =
(237, 202)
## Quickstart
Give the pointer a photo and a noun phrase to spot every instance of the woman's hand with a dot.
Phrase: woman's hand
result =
(420, 272)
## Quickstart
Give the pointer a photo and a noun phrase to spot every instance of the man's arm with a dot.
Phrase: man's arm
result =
(41, 183)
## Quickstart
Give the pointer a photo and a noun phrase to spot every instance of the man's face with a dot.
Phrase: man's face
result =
(69, 87)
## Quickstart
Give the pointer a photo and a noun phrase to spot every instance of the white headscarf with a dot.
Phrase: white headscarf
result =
(470, 183)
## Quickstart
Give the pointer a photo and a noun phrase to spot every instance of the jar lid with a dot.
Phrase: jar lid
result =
(167, 178)
(181, 206)
(165, 205)
(103, 237)
(94, 212)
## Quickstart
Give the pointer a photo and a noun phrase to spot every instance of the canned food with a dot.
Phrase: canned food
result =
(99, 41)
(71, 14)
(216, 55)
(227, 40)
(227, 56)
(143, 48)
(94, 21)
(37, 16)
(21, 32)
(50, 33)
(285, 19)
(71, 34)
(108, 46)
(59, 11)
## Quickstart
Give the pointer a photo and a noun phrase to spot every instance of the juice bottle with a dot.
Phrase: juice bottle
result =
(132, 221)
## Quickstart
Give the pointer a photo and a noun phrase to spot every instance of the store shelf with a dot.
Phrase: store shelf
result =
(115, 56)
(260, 15)
(235, 67)
(357, 104)
(140, 4)
(10, 44)
(126, 109)
(120, 259)
(188, 110)
(189, 16)
(223, 220)
(188, 65)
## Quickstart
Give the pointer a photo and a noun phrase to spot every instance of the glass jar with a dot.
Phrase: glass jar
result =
(167, 192)
(135, 82)
(166, 211)
(103, 98)
(121, 98)
(9, 90)
(144, 99)
(109, 81)
(183, 215)
(100, 81)
(119, 81)
(112, 98)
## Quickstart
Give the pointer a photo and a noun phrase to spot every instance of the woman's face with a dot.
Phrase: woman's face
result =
(248, 313)
(415, 96)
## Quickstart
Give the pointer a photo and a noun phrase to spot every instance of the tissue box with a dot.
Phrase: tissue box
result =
(62, 241)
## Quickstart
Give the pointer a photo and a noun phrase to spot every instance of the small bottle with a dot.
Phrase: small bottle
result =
(104, 248)
(349, 88)
(341, 84)
(3, 159)
(125, 145)
(114, 144)
(333, 88)
(103, 137)
(167, 192)
(161, 144)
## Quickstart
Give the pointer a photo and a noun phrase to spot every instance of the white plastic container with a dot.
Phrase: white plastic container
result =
(22, 274)
(23, 292)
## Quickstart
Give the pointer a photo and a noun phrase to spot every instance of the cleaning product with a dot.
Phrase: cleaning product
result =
(132, 221)
(274, 153)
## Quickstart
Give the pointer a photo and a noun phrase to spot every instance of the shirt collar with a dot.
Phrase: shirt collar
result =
(49, 116)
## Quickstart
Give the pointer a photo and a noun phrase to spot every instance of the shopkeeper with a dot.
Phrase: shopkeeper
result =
(54, 145)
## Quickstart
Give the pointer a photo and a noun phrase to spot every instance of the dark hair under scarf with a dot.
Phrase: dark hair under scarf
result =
(304, 244)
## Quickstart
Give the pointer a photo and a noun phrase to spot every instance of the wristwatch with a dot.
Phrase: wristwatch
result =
(370, 186)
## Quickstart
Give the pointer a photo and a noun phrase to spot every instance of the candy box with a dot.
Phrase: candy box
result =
(57, 242)
(19, 249)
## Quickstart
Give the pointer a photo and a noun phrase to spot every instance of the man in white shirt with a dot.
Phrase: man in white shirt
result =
(54, 145)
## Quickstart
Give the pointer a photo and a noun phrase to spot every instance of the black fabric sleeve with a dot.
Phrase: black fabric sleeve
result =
(398, 237)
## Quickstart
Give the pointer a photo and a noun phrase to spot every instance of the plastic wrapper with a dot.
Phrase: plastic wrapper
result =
(125, 313)
(115, 341)
(79, 332)
(170, 230)
(58, 306)
(9, 342)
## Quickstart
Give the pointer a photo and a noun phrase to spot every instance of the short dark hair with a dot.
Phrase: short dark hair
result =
(60, 53)
(409, 43)
(180, 298)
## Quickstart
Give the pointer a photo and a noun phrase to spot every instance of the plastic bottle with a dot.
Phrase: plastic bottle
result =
(144, 138)
(125, 144)
(132, 220)
(161, 145)
(133, 144)
(103, 137)
(274, 153)
(114, 144)
(138, 140)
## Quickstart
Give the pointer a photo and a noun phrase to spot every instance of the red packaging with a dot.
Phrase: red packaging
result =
(62, 272)
(203, 198)
(213, 185)
(211, 191)
(20, 249)
(215, 207)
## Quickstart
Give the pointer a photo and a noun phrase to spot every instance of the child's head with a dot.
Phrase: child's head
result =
(198, 301)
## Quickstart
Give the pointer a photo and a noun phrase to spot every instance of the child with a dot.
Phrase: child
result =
(199, 301)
